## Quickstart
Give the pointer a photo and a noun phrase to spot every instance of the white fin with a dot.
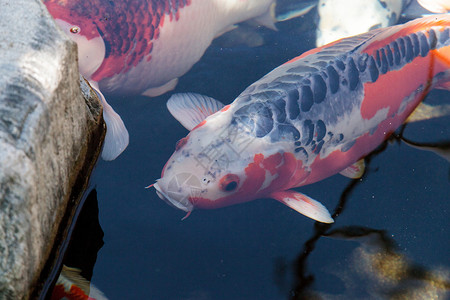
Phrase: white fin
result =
(96, 294)
(116, 139)
(191, 109)
(304, 205)
(267, 19)
(294, 9)
(354, 171)
(71, 276)
(157, 91)
(426, 111)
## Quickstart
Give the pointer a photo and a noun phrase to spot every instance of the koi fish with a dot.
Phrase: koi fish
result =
(436, 6)
(316, 115)
(142, 47)
(337, 21)
(72, 286)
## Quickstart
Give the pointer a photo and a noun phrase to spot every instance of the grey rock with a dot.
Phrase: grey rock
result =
(51, 130)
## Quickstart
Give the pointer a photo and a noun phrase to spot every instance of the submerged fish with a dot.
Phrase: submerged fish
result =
(436, 6)
(310, 118)
(143, 46)
(72, 286)
(344, 18)
(288, 9)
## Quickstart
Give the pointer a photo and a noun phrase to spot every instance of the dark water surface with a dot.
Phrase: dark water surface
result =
(391, 236)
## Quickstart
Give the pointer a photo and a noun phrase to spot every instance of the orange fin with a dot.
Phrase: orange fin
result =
(354, 171)
(304, 205)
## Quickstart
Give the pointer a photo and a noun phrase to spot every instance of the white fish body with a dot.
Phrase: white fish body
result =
(436, 6)
(182, 43)
(130, 47)
(343, 18)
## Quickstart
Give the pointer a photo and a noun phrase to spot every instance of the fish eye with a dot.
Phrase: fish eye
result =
(229, 182)
(75, 29)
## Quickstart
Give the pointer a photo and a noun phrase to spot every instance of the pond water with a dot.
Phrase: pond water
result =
(390, 237)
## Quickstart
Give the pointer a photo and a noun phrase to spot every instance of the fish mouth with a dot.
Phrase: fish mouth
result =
(183, 204)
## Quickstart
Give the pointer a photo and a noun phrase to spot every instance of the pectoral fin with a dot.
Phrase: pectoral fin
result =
(304, 205)
(117, 138)
(75, 286)
(191, 109)
(354, 171)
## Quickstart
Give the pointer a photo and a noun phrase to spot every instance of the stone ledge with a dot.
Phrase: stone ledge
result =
(51, 130)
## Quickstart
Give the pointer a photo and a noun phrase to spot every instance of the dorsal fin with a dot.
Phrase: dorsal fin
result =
(386, 35)
(191, 109)
(335, 49)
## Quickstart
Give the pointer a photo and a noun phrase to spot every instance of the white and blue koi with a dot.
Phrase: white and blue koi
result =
(314, 116)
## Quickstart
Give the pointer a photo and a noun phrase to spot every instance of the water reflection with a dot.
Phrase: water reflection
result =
(377, 268)
(303, 280)
(386, 272)
(441, 149)
(86, 239)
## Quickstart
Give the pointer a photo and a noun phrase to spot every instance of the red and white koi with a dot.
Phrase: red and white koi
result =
(72, 286)
(142, 47)
(314, 116)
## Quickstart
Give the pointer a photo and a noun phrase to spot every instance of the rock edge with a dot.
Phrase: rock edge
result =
(51, 130)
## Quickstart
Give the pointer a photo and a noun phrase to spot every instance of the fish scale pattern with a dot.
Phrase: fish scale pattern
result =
(307, 96)
(128, 27)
